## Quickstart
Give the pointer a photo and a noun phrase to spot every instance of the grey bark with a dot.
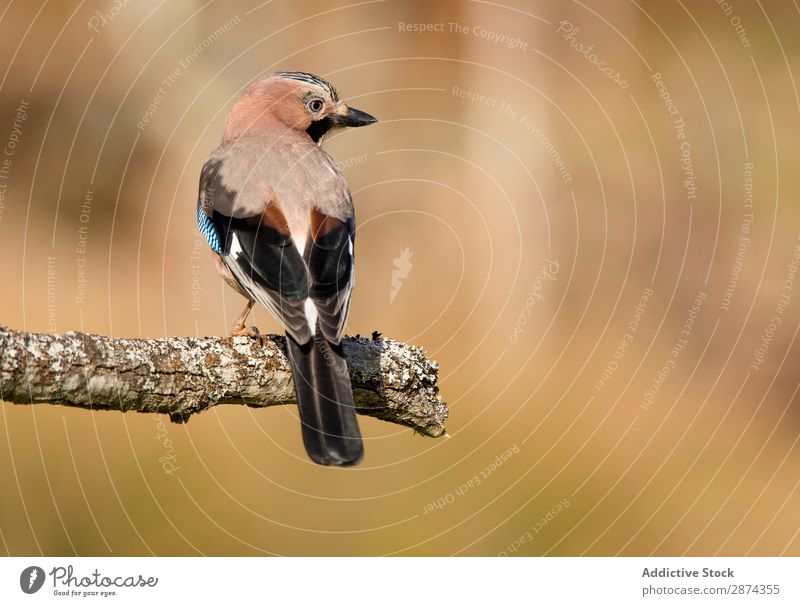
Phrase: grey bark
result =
(183, 376)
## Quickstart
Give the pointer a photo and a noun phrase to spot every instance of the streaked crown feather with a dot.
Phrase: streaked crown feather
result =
(311, 79)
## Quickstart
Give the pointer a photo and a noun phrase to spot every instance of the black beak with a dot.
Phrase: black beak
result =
(355, 117)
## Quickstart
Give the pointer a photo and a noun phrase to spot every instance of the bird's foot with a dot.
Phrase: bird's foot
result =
(240, 330)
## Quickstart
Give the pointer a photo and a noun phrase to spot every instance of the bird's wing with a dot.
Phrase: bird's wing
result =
(244, 212)
(332, 269)
(253, 239)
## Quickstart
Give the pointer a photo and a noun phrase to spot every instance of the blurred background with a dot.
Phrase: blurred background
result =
(586, 212)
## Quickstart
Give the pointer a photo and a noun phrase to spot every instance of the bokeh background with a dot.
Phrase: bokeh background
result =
(592, 207)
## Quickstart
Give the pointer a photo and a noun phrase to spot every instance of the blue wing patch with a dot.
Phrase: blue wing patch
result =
(206, 227)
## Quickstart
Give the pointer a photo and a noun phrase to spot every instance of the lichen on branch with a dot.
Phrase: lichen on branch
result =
(182, 376)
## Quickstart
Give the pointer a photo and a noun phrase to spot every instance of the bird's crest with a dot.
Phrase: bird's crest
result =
(311, 79)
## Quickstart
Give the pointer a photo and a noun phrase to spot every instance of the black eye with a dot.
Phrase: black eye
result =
(315, 105)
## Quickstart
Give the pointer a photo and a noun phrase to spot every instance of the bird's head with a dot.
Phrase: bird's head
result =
(297, 100)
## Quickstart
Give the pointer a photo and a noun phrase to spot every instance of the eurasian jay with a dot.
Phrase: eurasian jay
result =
(278, 215)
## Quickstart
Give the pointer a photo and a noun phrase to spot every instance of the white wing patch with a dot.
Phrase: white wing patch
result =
(311, 315)
(281, 309)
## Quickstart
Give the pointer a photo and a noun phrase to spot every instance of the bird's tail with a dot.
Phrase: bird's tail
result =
(325, 398)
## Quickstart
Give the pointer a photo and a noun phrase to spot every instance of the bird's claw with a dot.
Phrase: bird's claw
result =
(240, 330)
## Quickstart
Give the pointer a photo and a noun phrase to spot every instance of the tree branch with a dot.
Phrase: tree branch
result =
(183, 376)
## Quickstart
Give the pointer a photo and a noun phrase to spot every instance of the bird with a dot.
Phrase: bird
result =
(278, 216)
